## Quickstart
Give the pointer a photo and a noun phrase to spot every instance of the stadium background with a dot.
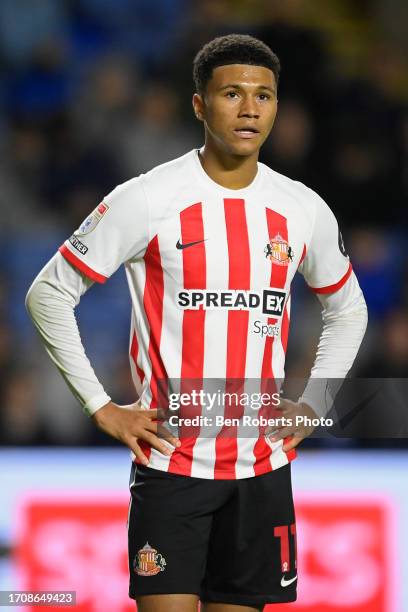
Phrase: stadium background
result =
(96, 91)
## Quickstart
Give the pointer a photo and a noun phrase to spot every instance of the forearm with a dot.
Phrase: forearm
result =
(344, 324)
(50, 302)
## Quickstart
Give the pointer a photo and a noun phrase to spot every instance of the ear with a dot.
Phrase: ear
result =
(198, 105)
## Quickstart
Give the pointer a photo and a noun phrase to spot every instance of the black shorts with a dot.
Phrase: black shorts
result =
(228, 541)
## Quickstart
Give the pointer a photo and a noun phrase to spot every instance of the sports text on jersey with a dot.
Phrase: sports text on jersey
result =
(270, 301)
(265, 329)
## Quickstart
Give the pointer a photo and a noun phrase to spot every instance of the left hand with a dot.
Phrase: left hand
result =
(296, 433)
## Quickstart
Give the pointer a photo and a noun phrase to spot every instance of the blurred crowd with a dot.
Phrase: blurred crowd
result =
(97, 91)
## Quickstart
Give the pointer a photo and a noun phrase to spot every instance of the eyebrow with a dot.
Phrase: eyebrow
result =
(237, 86)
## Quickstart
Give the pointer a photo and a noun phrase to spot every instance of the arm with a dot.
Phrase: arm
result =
(327, 270)
(51, 301)
(344, 323)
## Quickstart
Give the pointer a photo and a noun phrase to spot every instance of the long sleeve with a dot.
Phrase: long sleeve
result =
(344, 323)
(51, 301)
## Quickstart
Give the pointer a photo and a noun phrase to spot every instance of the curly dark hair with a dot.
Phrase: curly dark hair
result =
(232, 49)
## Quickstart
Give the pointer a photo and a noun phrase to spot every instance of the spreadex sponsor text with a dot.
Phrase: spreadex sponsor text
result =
(269, 301)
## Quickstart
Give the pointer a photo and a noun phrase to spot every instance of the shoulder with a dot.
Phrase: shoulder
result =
(160, 179)
(298, 192)
(130, 190)
(286, 185)
(170, 174)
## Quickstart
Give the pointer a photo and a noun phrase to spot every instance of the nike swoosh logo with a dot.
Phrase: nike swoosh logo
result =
(187, 244)
(285, 583)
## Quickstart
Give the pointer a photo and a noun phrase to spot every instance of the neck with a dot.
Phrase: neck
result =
(232, 172)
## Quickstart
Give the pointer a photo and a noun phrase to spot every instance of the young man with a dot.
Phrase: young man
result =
(211, 242)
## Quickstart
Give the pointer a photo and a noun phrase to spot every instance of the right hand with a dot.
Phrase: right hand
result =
(131, 423)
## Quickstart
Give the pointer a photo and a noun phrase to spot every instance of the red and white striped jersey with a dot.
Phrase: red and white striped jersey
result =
(207, 267)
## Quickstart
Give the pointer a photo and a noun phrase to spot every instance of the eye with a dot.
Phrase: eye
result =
(264, 96)
(231, 94)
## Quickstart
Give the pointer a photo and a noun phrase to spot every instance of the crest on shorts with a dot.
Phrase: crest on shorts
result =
(92, 220)
(148, 562)
(279, 251)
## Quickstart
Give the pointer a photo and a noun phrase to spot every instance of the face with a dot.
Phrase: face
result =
(238, 108)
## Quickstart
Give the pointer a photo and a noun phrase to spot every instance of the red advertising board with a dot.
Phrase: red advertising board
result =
(347, 557)
(79, 545)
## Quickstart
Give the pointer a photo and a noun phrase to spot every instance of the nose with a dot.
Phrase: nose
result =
(249, 107)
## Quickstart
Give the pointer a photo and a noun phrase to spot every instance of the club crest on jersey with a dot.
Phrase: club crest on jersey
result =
(148, 562)
(92, 220)
(279, 251)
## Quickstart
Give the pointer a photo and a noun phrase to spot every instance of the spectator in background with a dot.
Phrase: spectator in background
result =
(380, 262)
(20, 171)
(19, 421)
(72, 168)
(154, 132)
(360, 177)
(25, 25)
(384, 424)
(290, 149)
(108, 93)
(302, 52)
(389, 358)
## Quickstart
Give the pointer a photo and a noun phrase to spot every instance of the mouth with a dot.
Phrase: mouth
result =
(247, 132)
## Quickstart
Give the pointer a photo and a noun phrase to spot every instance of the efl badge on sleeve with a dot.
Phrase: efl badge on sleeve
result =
(92, 220)
(279, 251)
(148, 562)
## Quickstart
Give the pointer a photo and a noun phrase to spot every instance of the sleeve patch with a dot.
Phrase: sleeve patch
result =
(92, 220)
(78, 245)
